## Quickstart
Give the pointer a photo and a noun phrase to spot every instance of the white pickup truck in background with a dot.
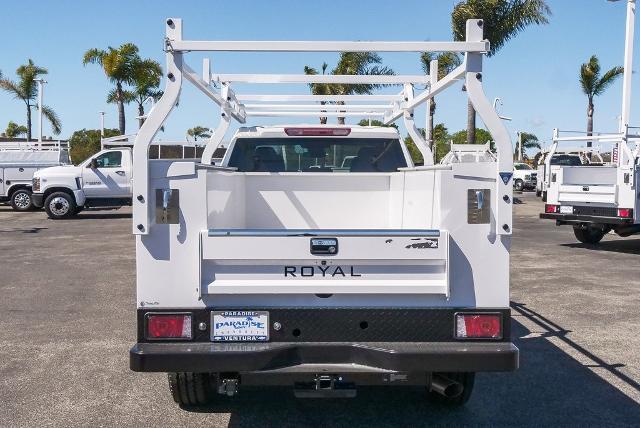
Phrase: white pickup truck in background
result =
(18, 163)
(101, 181)
(319, 256)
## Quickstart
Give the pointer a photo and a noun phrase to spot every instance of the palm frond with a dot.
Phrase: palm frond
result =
(54, 120)
(13, 88)
(502, 19)
(607, 79)
(93, 56)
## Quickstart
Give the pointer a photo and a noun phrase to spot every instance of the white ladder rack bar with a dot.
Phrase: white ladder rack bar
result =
(270, 113)
(319, 98)
(329, 107)
(173, 45)
(320, 78)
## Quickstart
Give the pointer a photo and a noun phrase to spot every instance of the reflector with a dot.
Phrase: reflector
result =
(317, 132)
(625, 212)
(550, 208)
(488, 326)
(169, 326)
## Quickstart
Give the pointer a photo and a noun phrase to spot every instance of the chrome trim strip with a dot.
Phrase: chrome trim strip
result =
(325, 232)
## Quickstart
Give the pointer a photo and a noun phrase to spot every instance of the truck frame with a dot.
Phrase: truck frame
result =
(321, 280)
(596, 199)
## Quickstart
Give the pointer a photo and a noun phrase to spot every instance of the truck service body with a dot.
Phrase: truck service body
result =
(19, 162)
(595, 199)
(320, 256)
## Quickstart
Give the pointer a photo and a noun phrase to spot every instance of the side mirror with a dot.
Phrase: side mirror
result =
(93, 164)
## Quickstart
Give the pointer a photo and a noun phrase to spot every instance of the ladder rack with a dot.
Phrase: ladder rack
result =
(219, 87)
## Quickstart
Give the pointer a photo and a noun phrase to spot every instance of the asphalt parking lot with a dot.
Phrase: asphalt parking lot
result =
(67, 313)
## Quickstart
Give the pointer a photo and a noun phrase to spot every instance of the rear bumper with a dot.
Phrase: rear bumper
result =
(575, 219)
(256, 357)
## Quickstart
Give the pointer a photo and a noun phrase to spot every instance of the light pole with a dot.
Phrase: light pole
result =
(628, 63)
(41, 83)
(101, 124)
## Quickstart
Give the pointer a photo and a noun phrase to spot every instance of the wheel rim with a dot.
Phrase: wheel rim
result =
(59, 206)
(22, 200)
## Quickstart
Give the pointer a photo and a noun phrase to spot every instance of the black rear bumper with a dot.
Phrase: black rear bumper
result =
(578, 218)
(256, 357)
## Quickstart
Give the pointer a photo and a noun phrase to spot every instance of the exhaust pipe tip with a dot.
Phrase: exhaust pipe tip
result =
(446, 387)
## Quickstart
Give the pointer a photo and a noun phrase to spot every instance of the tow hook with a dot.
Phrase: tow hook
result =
(325, 386)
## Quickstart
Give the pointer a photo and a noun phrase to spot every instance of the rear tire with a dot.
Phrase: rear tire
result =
(519, 185)
(60, 205)
(192, 389)
(21, 200)
(588, 235)
(467, 379)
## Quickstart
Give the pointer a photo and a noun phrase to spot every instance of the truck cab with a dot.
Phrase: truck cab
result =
(102, 180)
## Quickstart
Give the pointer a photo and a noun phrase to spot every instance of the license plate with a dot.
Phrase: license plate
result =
(239, 326)
(566, 209)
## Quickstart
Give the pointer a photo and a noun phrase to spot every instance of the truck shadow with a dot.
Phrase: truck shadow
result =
(625, 246)
(550, 388)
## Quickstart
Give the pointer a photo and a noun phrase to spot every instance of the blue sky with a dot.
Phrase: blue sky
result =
(535, 74)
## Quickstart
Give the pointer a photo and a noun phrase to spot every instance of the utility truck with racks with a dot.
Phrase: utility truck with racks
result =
(595, 198)
(286, 265)
(102, 181)
(18, 163)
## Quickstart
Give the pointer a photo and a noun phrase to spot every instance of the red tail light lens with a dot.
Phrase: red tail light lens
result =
(317, 132)
(478, 326)
(169, 326)
(625, 212)
(551, 208)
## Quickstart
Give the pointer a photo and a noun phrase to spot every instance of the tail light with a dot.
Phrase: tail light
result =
(548, 208)
(478, 326)
(169, 326)
(317, 132)
(625, 212)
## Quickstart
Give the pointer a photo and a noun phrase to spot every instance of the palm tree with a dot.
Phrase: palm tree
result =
(350, 63)
(199, 132)
(529, 141)
(14, 130)
(447, 61)
(503, 20)
(319, 88)
(26, 89)
(593, 84)
(118, 65)
(146, 80)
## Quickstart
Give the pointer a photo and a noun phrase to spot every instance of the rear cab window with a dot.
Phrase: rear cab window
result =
(320, 154)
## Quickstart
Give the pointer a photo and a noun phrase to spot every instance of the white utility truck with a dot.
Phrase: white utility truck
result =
(19, 161)
(566, 158)
(595, 199)
(101, 181)
(284, 265)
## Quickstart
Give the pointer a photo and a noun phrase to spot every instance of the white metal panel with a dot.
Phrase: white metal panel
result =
(588, 194)
(369, 264)
(589, 175)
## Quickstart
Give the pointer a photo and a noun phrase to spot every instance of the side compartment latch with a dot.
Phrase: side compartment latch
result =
(167, 206)
(478, 206)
